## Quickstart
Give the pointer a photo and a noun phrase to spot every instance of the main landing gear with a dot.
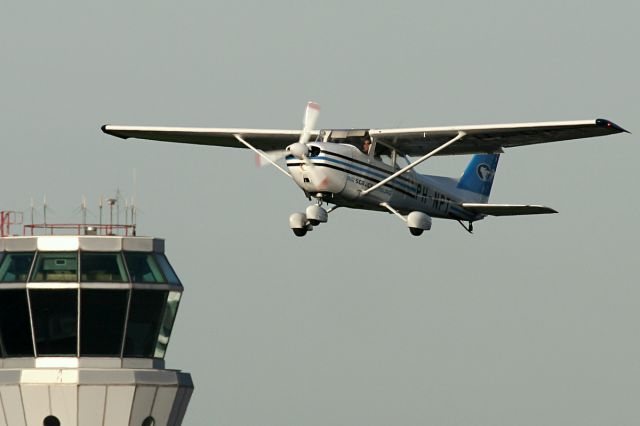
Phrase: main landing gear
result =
(301, 223)
(417, 222)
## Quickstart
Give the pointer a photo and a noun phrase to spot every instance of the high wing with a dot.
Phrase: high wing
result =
(264, 139)
(412, 141)
(490, 138)
(507, 209)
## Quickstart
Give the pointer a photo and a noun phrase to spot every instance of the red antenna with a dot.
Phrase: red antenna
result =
(7, 219)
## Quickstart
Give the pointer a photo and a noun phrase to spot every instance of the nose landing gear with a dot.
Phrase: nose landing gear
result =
(301, 223)
(316, 214)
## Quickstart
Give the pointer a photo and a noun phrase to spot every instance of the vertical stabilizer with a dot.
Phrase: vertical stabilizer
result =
(478, 176)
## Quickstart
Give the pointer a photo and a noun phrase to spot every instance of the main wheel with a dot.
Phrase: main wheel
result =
(300, 232)
(416, 232)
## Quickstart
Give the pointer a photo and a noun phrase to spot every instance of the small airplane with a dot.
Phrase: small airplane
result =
(373, 169)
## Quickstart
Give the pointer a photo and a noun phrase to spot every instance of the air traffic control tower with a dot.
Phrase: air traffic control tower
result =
(85, 320)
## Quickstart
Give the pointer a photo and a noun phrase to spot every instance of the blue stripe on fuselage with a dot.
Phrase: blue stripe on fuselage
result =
(366, 170)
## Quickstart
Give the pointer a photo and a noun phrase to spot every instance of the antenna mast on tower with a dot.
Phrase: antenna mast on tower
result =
(100, 208)
(83, 208)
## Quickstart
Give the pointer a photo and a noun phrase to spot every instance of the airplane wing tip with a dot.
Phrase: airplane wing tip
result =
(105, 129)
(538, 209)
(603, 122)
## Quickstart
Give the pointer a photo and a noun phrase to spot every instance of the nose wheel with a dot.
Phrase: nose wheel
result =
(301, 223)
(299, 232)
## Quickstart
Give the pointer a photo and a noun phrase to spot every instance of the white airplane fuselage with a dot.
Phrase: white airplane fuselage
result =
(343, 172)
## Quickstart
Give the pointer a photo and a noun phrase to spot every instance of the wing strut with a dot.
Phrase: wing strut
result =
(405, 169)
(261, 154)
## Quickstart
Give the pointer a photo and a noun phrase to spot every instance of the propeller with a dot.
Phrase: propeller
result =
(300, 149)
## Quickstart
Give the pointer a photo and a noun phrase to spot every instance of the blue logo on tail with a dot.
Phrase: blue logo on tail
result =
(485, 173)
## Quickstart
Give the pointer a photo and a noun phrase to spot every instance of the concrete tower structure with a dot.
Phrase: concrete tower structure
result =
(85, 321)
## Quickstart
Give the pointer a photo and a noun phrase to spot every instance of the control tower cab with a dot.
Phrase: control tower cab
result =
(85, 321)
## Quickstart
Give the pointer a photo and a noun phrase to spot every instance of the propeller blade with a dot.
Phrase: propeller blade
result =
(273, 155)
(310, 118)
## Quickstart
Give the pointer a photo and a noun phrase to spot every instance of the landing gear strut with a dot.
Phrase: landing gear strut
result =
(469, 228)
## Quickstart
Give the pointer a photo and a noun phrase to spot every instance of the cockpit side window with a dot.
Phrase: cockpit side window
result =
(402, 160)
(383, 153)
(353, 137)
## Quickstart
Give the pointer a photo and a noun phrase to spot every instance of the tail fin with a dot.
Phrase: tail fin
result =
(478, 176)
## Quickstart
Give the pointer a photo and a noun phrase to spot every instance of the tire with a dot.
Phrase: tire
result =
(300, 232)
(416, 232)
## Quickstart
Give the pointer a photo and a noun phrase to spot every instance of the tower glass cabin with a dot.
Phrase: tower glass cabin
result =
(85, 321)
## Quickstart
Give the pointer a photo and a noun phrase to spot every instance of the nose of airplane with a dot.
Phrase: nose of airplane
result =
(316, 177)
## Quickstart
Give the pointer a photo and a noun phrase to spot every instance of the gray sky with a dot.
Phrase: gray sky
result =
(531, 321)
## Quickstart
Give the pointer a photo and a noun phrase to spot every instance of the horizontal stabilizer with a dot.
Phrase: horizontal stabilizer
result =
(507, 209)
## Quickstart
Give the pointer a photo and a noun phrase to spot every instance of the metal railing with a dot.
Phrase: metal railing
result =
(78, 229)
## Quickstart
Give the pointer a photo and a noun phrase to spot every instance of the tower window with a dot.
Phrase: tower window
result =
(55, 321)
(56, 267)
(15, 267)
(102, 316)
(144, 268)
(102, 267)
(143, 325)
(15, 329)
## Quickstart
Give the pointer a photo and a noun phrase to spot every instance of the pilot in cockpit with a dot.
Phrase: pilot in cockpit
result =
(366, 144)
